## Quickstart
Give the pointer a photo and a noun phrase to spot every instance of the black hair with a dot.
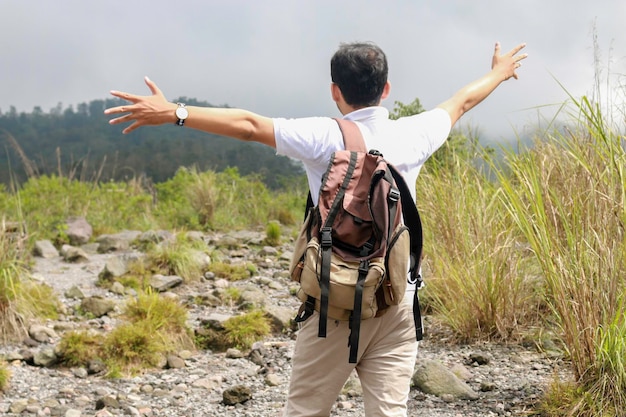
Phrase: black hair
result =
(360, 71)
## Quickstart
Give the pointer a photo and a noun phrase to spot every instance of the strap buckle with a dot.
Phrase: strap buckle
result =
(394, 195)
(327, 240)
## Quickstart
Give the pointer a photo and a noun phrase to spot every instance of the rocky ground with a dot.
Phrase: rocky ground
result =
(505, 380)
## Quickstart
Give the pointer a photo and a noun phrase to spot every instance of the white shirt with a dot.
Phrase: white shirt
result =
(407, 142)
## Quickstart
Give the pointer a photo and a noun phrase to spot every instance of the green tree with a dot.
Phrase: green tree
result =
(459, 146)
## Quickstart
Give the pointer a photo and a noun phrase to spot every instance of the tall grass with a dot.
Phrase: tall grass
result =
(479, 281)
(567, 198)
(20, 298)
(223, 201)
(191, 200)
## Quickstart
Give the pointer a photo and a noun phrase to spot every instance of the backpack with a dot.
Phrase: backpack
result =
(360, 244)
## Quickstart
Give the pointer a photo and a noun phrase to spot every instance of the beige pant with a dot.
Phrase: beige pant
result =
(385, 363)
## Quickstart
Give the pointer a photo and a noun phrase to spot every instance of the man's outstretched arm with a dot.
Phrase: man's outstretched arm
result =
(155, 109)
(503, 67)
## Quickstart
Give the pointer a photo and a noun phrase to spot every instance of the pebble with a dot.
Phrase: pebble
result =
(194, 382)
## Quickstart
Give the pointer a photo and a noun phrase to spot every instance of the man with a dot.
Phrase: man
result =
(387, 346)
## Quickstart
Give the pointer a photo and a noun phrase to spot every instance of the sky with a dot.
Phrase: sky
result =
(272, 57)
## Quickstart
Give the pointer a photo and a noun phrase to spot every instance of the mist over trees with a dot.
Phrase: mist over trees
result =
(79, 142)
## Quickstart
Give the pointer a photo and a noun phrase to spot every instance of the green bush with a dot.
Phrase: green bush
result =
(78, 348)
(242, 331)
(152, 327)
(232, 272)
(238, 331)
(272, 233)
(5, 377)
(133, 347)
(178, 257)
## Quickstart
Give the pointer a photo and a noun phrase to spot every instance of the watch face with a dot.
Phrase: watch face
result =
(182, 113)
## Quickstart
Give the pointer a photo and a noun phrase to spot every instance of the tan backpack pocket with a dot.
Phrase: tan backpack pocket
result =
(398, 263)
(343, 278)
(300, 246)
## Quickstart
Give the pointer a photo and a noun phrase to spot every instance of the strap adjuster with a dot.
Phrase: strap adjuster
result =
(364, 267)
(327, 240)
(394, 195)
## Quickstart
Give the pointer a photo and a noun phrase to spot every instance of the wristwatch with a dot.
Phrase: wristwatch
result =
(181, 113)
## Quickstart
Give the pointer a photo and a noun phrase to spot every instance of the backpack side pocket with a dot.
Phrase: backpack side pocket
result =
(297, 259)
(397, 265)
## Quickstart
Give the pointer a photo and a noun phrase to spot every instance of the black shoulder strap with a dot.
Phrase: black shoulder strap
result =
(412, 220)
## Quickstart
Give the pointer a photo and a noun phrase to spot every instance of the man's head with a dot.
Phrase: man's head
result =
(360, 71)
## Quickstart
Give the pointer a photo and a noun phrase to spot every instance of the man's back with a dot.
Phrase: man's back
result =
(406, 143)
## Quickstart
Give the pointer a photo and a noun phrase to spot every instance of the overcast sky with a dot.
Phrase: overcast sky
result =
(272, 57)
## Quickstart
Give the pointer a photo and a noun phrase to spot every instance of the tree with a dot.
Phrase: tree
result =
(458, 146)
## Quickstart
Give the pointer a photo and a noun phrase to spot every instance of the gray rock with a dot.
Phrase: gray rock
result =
(433, 378)
(78, 231)
(273, 380)
(200, 259)
(114, 267)
(45, 357)
(18, 406)
(42, 334)
(282, 317)
(107, 401)
(97, 306)
(216, 320)
(74, 255)
(116, 242)
(162, 283)
(75, 293)
(95, 366)
(253, 297)
(268, 251)
(117, 288)
(478, 358)
(156, 236)
(233, 353)
(236, 395)
(206, 383)
(45, 249)
(461, 371)
(227, 242)
(195, 236)
(352, 387)
(175, 362)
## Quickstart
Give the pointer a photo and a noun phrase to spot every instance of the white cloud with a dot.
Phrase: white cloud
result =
(272, 56)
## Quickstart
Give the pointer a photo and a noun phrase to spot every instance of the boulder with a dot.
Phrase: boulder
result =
(433, 378)
(79, 231)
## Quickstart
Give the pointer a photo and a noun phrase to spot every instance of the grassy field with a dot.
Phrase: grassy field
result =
(528, 247)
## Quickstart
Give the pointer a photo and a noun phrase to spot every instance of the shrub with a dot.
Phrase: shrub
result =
(5, 377)
(243, 330)
(179, 257)
(78, 348)
(232, 272)
(133, 347)
(231, 295)
(153, 327)
(47, 201)
(272, 233)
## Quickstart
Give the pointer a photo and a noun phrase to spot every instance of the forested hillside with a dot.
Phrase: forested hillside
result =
(80, 142)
